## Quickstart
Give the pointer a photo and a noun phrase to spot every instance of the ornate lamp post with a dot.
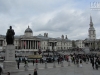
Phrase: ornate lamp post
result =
(53, 48)
(53, 44)
(48, 51)
(48, 48)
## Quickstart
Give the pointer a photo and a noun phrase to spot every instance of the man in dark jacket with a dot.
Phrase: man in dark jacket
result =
(35, 72)
(92, 61)
(33, 62)
(96, 63)
(0, 70)
(18, 63)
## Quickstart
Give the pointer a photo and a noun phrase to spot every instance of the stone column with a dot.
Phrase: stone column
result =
(25, 44)
(22, 44)
(31, 44)
(28, 44)
(35, 44)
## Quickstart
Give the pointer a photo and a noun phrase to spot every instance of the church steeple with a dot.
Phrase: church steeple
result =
(91, 23)
(92, 34)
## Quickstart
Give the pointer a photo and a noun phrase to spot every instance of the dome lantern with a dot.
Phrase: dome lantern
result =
(28, 32)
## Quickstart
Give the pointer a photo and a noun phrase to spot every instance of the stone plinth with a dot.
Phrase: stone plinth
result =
(9, 64)
(87, 50)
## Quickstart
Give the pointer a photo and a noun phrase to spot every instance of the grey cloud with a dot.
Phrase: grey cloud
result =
(74, 26)
(66, 20)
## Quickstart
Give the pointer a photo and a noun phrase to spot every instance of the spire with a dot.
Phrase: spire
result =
(91, 23)
(92, 34)
(90, 18)
(28, 26)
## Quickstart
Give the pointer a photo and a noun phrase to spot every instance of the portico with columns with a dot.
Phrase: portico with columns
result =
(30, 44)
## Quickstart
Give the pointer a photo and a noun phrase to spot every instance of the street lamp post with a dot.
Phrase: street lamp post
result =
(48, 48)
(53, 55)
(48, 51)
(53, 48)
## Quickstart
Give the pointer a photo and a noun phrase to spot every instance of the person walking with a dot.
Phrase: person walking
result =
(80, 63)
(36, 61)
(58, 60)
(8, 73)
(0, 70)
(18, 63)
(33, 62)
(35, 72)
(92, 62)
(96, 64)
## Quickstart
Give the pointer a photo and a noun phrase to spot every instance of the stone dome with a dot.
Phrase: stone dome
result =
(28, 30)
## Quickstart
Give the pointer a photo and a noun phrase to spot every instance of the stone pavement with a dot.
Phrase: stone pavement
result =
(66, 70)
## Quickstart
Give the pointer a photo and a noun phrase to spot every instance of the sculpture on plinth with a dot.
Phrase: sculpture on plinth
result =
(86, 49)
(9, 65)
(86, 44)
(10, 36)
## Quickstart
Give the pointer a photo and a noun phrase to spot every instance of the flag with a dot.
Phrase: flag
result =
(39, 44)
(39, 51)
(24, 43)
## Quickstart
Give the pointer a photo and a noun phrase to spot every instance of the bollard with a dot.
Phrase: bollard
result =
(26, 67)
(36, 66)
(45, 64)
(68, 63)
(77, 64)
(62, 64)
(54, 64)
(86, 61)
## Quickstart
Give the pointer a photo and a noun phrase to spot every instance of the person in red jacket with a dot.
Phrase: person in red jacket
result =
(36, 61)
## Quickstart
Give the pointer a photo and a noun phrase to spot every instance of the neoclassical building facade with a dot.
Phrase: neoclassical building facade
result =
(93, 42)
(30, 43)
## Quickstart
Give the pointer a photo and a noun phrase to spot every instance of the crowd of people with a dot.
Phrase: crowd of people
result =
(77, 59)
(95, 50)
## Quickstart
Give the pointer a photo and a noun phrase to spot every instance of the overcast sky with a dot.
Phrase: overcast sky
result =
(55, 17)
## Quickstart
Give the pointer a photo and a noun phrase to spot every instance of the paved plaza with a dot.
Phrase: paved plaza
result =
(66, 70)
